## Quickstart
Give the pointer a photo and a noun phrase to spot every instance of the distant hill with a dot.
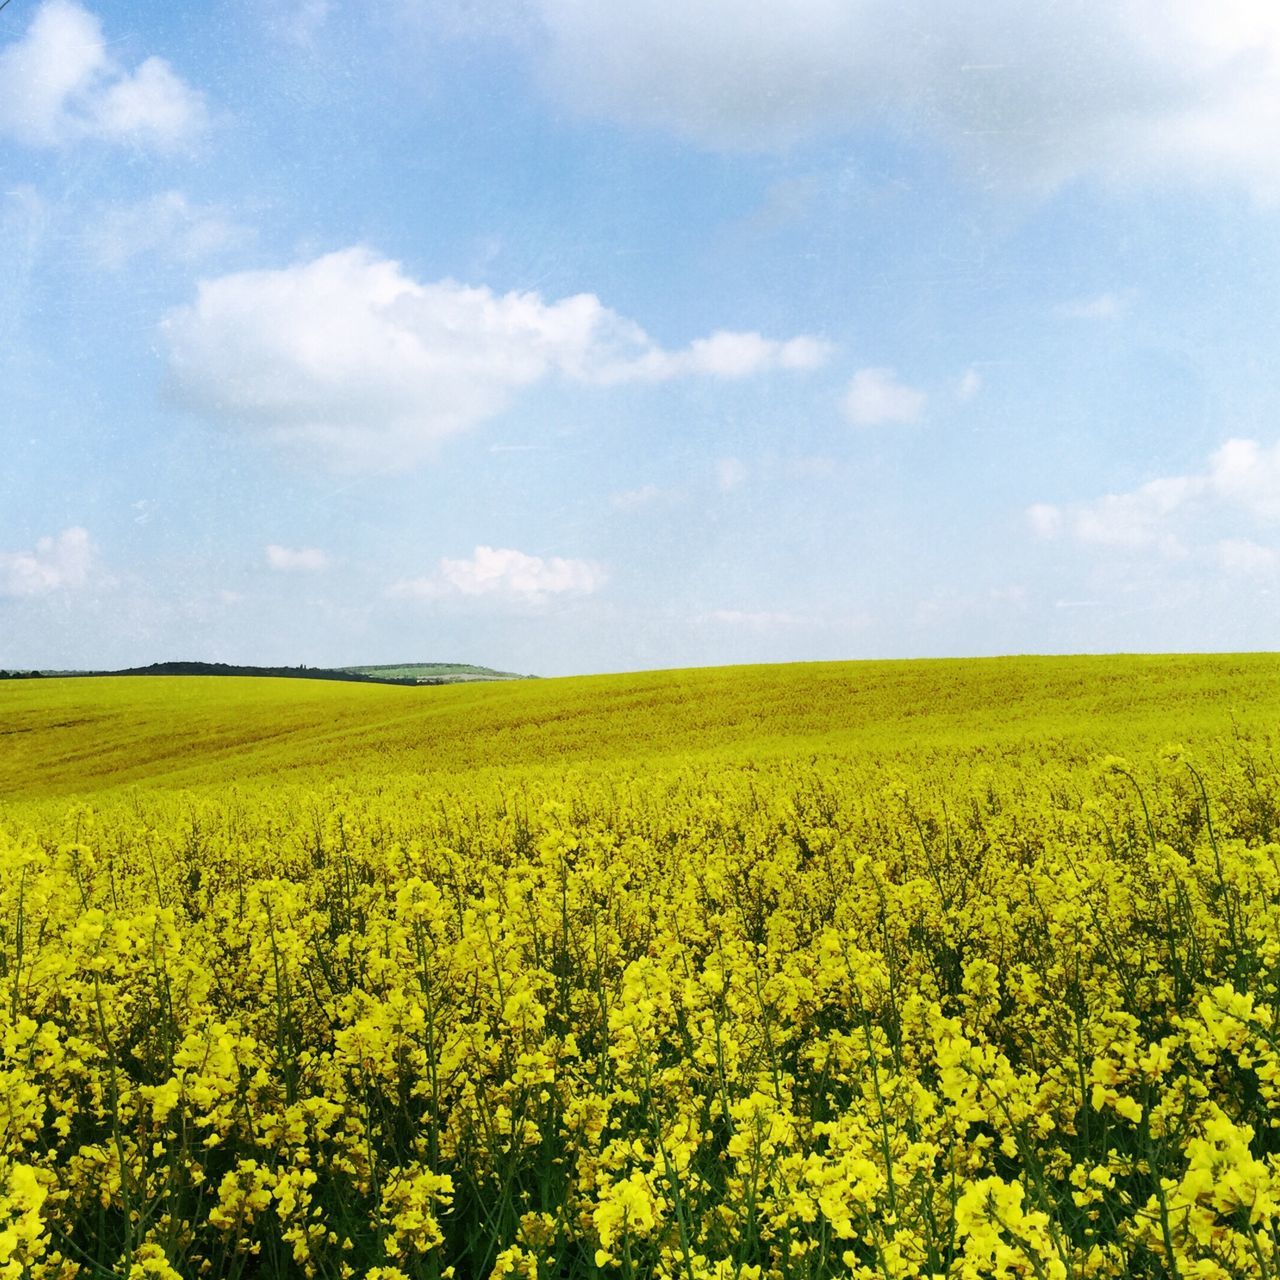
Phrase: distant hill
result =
(67, 738)
(433, 672)
(413, 673)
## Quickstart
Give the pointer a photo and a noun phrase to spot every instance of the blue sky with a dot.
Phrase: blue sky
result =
(571, 337)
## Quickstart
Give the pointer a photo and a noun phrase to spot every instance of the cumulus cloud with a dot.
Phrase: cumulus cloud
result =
(349, 356)
(1041, 94)
(1241, 480)
(62, 84)
(167, 225)
(877, 396)
(503, 573)
(297, 560)
(58, 563)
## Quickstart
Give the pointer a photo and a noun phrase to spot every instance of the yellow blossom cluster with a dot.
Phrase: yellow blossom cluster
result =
(951, 1014)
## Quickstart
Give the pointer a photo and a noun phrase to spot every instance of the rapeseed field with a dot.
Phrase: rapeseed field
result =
(873, 970)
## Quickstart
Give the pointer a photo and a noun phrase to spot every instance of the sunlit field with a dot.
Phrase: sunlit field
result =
(964, 969)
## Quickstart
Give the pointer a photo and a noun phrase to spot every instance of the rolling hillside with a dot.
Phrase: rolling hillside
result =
(70, 736)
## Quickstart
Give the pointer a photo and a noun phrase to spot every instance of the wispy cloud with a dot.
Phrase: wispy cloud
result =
(1241, 480)
(731, 473)
(167, 225)
(646, 495)
(1245, 558)
(296, 559)
(1034, 95)
(969, 385)
(1101, 307)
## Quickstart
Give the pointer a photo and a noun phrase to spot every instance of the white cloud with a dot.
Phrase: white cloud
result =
(1244, 558)
(1045, 519)
(1241, 480)
(876, 396)
(1137, 519)
(61, 84)
(731, 473)
(1105, 306)
(167, 225)
(1124, 89)
(633, 499)
(297, 560)
(969, 385)
(350, 357)
(56, 564)
(1246, 475)
(301, 22)
(152, 104)
(739, 355)
(506, 574)
(1134, 521)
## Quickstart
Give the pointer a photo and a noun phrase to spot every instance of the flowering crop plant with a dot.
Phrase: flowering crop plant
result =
(904, 970)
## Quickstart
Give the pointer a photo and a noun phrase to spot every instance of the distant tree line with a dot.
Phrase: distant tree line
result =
(221, 669)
